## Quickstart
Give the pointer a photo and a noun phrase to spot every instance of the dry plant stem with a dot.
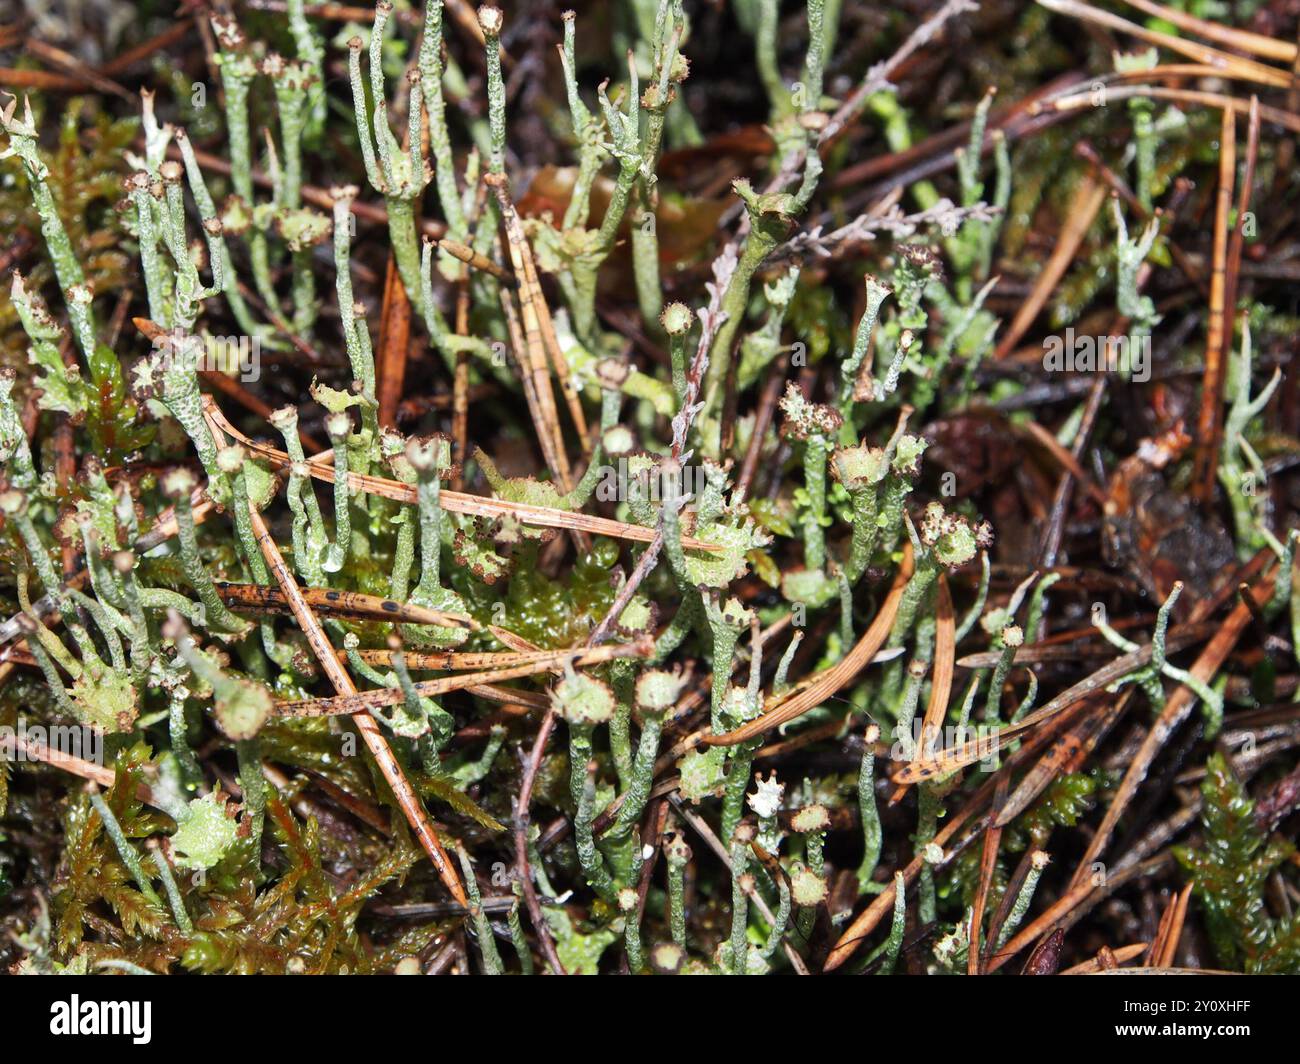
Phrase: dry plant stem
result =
(1078, 742)
(1236, 240)
(1164, 957)
(394, 344)
(815, 690)
(1209, 423)
(541, 344)
(455, 659)
(407, 799)
(460, 390)
(352, 702)
(1213, 100)
(78, 766)
(522, 821)
(458, 502)
(988, 865)
(1202, 53)
(1253, 43)
(1088, 200)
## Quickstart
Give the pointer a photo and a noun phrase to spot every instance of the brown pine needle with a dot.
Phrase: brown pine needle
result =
(945, 651)
(339, 604)
(945, 647)
(533, 303)
(362, 702)
(407, 799)
(816, 689)
(1202, 53)
(1254, 43)
(1094, 964)
(11, 745)
(475, 261)
(533, 355)
(1088, 198)
(394, 343)
(454, 660)
(1173, 932)
(988, 865)
(1215, 100)
(1210, 419)
(460, 502)
(1078, 742)
(1236, 243)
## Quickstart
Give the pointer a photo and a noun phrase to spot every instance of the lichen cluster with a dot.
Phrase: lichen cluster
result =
(573, 578)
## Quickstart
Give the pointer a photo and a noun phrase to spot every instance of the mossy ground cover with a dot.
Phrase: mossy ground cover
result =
(750, 488)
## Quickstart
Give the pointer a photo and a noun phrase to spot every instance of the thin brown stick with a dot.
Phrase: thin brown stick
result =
(352, 702)
(522, 822)
(535, 354)
(1088, 198)
(1202, 53)
(988, 865)
(459, 502)
(1254, 43)
(407, 799)
(816, 689)
(476, 261)
(394, 344)
(1210, 420)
